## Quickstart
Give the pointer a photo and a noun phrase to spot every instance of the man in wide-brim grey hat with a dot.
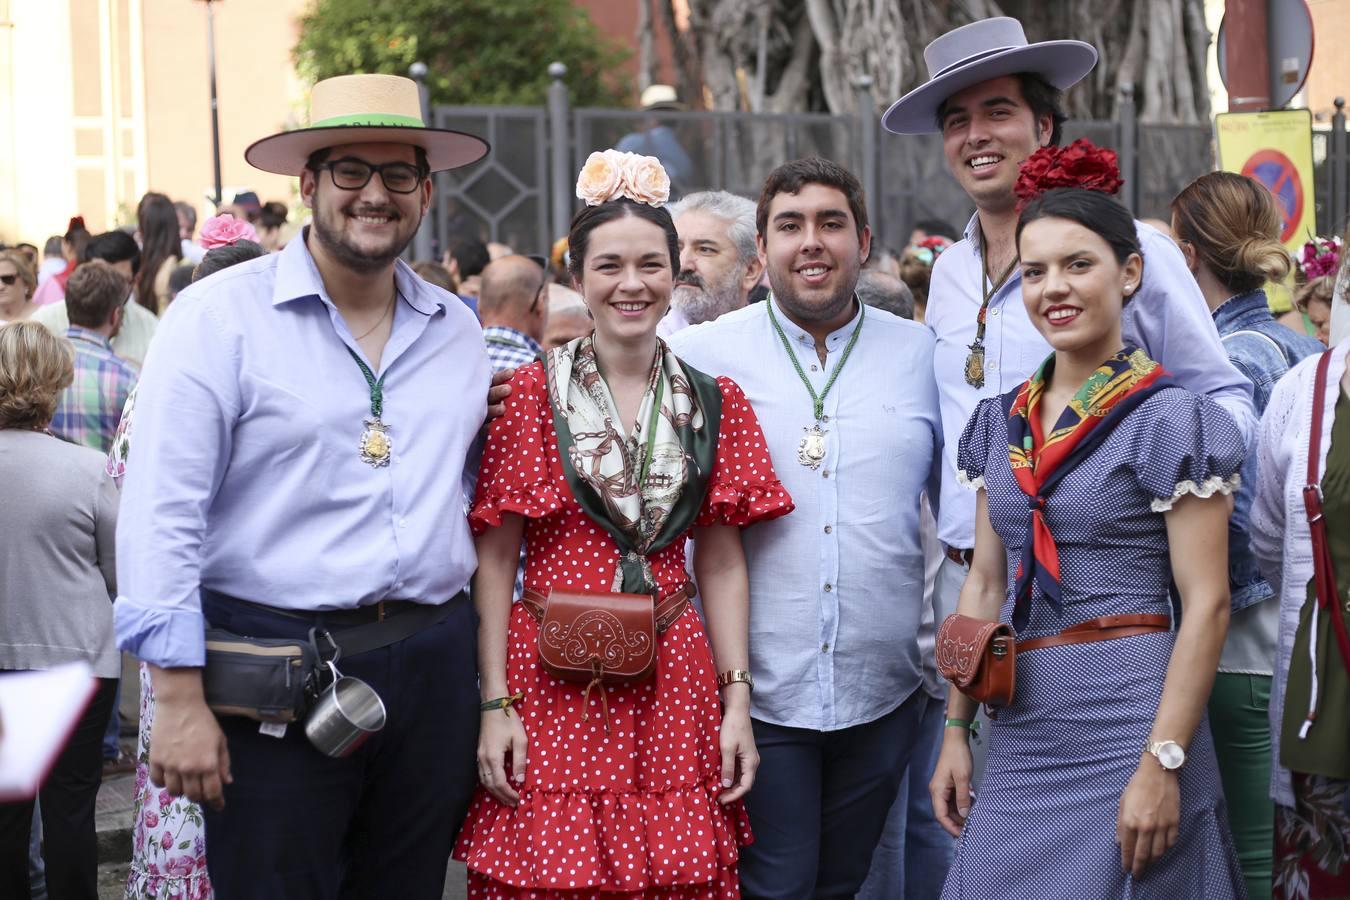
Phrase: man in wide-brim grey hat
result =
(995, 98)
(302, 427)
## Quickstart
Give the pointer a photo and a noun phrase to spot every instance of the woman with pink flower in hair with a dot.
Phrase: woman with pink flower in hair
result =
(611, 453)
(1315, 270)
(168, 857)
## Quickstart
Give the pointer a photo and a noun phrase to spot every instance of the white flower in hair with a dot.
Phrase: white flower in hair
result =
(609, 174)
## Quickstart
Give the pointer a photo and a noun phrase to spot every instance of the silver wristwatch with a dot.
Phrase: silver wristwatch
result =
(1168, 754)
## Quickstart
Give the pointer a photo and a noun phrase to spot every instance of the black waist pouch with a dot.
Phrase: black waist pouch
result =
(265, 679)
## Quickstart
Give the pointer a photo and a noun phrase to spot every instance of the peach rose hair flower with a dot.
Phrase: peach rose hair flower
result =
(610, 173)
(224, 230)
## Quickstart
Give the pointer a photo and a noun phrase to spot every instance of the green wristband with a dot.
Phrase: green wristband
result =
(972, 727)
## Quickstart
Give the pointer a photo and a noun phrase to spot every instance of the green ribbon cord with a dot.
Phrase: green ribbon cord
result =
(818, 402)
(376, 386)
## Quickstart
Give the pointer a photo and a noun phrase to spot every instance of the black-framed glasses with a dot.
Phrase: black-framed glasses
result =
(351, 174)
(9, 279)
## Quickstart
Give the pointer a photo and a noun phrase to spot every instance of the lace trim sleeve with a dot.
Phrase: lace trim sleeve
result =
(1207, 488)
(970, 482)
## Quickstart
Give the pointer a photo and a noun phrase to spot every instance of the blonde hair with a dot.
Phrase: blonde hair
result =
(1322, 288)
(35, 367)
(1234, 225)
(20, 262)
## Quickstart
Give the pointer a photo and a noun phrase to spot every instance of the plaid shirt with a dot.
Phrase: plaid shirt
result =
(508, 348)
(91, 407)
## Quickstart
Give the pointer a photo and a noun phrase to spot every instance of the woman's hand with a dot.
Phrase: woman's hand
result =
(950, 787)
(500, 736)
(1150, 816)
(740, 759)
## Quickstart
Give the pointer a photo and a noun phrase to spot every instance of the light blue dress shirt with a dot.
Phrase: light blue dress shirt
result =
(244, 474)
(836, 588)
(1167, 317)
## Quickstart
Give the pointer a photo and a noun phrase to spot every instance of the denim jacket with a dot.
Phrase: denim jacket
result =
(1263, 350)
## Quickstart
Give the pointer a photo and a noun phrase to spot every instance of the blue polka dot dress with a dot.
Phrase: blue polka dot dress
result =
(1043, 824)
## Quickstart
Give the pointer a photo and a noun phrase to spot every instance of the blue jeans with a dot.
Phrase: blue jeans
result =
(914, 853)
(820, 801)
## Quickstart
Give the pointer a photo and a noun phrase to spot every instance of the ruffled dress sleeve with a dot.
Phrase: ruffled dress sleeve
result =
(972, 449)
(744, 487)
(1187, 444)
(516, 474)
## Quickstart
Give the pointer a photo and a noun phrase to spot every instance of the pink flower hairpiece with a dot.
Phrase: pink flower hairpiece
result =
(1320, 256)
(612, 173)
(224, 230)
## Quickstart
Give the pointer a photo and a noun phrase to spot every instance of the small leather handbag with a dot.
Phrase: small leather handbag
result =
(979, 657)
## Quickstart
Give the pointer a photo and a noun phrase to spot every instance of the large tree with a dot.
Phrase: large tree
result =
(478, 52)
(781, 55)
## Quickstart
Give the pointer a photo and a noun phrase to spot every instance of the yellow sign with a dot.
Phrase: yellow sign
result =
(1275, 148)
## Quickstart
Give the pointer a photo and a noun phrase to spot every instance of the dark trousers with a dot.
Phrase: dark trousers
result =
(380, 823)
(820, 802)
(68, 797)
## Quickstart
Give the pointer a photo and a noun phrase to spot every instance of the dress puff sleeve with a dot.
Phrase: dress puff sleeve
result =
(744, 487)
(1185, 444)
(516, 474)
(972, 450)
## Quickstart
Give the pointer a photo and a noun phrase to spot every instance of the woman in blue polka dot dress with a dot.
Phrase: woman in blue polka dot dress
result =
(1100, 484)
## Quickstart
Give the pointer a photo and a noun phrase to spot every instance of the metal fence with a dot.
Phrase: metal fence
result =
(522, 193)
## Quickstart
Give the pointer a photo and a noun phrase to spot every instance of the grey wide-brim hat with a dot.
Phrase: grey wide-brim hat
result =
(980, 51)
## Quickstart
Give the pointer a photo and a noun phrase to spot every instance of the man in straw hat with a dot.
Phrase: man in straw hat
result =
(996, 99)
(301, 432)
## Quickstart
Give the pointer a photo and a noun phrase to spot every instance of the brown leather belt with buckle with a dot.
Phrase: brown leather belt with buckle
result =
(960, 557)
(1104, 628)
(668, 608)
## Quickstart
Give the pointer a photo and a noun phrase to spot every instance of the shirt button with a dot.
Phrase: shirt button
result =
(993, 312)
(825, 474)
(828, 588)
(815, 368)
(829, 529)
(402, 523)
(824, 648)
(398, 585)
(993, 367)
(824, 418)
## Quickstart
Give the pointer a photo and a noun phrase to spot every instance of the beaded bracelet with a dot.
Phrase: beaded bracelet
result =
(502, 703)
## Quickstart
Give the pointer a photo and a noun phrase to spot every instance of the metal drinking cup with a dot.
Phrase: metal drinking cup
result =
(347, 712)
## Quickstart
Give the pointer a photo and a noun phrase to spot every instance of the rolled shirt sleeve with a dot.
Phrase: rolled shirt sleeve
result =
(186, 404)
(1170, 320)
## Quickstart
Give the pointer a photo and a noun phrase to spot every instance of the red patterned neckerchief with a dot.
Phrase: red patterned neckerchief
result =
(1040, 461)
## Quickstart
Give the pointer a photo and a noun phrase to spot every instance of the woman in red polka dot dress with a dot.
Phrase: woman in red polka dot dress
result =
(627, 791)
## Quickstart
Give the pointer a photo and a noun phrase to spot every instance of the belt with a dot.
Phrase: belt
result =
(364, 628)
(668, 608)
(1105, 628)
(959, 556)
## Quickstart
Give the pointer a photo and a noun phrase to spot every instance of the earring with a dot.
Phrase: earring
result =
(1128, 289)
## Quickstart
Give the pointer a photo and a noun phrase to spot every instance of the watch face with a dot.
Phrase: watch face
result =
(1170, 754)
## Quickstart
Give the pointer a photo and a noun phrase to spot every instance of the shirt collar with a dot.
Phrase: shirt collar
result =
(298, 277)
(515, 336)
(798, 335)
(76, 333)
(1240, 306)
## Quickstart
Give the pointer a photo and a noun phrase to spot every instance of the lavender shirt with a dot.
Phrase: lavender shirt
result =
(244, 475)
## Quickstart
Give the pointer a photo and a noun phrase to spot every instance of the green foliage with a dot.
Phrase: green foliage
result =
(478, 52)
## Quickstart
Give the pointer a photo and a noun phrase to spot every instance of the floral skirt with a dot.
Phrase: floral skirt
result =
(631, 813)
(168, 851)
(1312, 841)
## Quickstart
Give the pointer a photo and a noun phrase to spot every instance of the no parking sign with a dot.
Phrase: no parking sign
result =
(1275, 148)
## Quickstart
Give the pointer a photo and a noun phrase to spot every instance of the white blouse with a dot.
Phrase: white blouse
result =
(1279, 524)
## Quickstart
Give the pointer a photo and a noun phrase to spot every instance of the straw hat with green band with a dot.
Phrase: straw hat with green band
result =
(360, 109)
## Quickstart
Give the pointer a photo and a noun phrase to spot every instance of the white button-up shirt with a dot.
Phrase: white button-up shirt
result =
(1167, 318)
(836, 588)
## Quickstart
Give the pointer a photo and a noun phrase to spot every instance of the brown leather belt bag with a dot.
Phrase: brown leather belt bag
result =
(602, 638)
(980, 657)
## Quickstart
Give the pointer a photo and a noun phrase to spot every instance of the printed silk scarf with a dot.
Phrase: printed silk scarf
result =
(604, 467)
(1040, 462)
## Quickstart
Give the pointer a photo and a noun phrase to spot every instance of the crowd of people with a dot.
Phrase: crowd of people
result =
(661, 550)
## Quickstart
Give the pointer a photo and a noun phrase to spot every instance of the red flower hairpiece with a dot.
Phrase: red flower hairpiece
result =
(1320, 256)
(1079, 165)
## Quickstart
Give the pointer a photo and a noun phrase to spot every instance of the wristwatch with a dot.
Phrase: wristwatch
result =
(736, 675)
(1168, 754)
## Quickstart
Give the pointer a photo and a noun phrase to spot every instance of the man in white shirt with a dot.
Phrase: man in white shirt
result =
(719, 262)
(846, 398)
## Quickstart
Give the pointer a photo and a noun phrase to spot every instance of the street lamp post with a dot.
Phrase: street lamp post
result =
(215, 106)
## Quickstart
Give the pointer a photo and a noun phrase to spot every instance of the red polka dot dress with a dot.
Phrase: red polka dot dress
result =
(632, 813)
